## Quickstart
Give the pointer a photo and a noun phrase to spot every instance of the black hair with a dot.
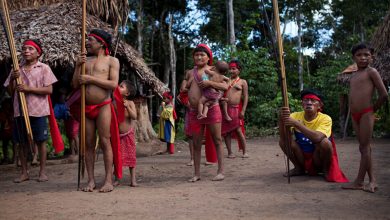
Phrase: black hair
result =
(130, 88)
(312, 91)
(103, 34)
(222, 67)
(361, 46)
(237, 62)
(37, 42)
(201, 49)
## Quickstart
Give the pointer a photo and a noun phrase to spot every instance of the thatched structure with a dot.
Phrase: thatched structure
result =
(381, 44)
(57, 23)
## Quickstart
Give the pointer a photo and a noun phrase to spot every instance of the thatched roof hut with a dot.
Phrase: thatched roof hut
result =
(381, 44)
(57, 23)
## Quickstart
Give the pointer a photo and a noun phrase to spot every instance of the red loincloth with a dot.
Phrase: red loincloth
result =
(120, 107)
(210, 150)
(187, 128)
(229, 126)
(71, 127)
(334, 174)
(55, 133)
(92, 112)
(213, 116)
(128, 149)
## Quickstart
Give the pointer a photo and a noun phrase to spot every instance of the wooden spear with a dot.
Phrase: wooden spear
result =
(82, 128)
(284, 83)
(11, 43)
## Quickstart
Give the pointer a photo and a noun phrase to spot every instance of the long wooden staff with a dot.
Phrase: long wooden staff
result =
(82, 127)
(284, 83)
(11, 43)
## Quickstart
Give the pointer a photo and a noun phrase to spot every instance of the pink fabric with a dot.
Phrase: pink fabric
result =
(234, 113)
(187, 128)
(71, 127)
(39, 76)
(128, 148)
(210, 150)
(212, 94)
(213, 116)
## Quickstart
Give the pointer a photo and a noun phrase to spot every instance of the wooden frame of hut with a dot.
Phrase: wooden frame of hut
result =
(57, 24)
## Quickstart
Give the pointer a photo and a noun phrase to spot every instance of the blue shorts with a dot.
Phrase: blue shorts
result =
(38, 126)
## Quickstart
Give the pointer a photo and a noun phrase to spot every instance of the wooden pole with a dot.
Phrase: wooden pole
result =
(11, 43)
(283, 82)
(82, 127)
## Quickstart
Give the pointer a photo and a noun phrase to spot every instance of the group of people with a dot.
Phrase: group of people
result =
(216, 106)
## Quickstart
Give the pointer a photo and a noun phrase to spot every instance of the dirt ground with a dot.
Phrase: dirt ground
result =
(254, 188)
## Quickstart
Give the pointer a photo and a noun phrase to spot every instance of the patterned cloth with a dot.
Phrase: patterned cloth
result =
(213, 116)
(166, 130)
(234, 113)
(39, 76)
(128, 148)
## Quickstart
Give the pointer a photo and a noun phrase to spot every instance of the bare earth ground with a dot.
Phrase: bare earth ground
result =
(253, 189)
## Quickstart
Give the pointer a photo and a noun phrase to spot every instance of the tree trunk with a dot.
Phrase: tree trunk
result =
(143, 128)
(140, 27)
(300, 55)
(232, 37)
(172, 56)
(164, 43)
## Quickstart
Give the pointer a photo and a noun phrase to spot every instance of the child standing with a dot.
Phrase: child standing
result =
(362, 86)
(127, 113)
(167, 116)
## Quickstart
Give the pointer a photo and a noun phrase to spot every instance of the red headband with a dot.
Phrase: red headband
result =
(107, 52)
(209, 52)
(233, 64)
(311, 96)
(167, 95)
(33, 44)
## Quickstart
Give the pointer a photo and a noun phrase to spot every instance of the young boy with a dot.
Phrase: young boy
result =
(362, 86)
(127, 113)
(210, 95)
(37, 79)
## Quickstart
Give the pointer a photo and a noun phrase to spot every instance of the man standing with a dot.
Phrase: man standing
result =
(101, 78)
(37, 79)
(313, 151)
(203, 59)
(236, 95)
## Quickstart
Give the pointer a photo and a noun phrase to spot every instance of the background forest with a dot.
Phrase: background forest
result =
(165, 33)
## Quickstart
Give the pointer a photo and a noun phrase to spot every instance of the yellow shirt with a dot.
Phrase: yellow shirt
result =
(322, 123)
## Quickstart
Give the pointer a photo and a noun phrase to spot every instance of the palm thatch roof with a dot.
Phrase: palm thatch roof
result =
(381, 44)
(58, 26)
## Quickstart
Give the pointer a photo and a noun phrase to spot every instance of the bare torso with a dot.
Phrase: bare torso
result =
(361, 90)
(235, 93)
(98, 67)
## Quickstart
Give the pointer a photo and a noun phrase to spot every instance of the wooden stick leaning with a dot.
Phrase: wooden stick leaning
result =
(11, 43)
(284, 83)
(82, 127)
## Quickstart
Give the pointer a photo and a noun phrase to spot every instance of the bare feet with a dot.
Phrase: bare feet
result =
(22, 178)
(194, 179)
(219, 177)
(209, 164)
(245, 155)
(295, 172)
(227, 117)
(42, 178)
(191, 163)
(116, 183)
(106, 188)
(200, 116)
(133, 184)
(370, 187)
(353, 186)
(89, 188)
(231, 156)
